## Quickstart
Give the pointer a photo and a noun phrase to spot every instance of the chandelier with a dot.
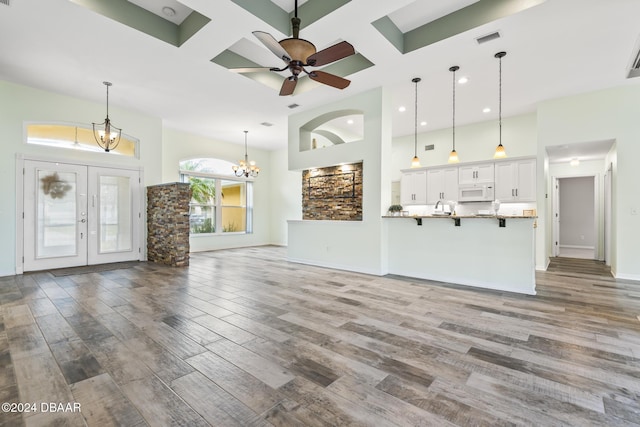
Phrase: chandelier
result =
(106, 135)
(246, 167)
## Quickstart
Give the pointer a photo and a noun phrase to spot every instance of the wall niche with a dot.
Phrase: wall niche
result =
(332, 193)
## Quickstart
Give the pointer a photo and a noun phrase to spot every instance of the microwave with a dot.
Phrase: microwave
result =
(476, 193)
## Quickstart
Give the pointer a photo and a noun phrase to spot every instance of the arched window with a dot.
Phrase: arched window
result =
(220, 202)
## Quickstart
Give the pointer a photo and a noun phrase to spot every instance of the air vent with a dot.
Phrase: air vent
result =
(293, 106)
(428, 147)
(267, 124)
(7, 2)
(488, 37)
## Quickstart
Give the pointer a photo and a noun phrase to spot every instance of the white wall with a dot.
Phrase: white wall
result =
(21, 104)
(610, 114)
(178, 146)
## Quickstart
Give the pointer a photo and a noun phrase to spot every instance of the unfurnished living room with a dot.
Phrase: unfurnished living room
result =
(319, 213)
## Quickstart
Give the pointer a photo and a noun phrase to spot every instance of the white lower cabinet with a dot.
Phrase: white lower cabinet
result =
(516, 181)
(442, 185)
(413, 188)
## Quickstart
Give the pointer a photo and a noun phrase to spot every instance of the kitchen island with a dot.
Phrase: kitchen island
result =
(494, 252)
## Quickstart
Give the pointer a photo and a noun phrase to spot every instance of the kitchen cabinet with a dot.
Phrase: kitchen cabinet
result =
(481, 173)
(442, 185)
(413, 188)
(516, 181)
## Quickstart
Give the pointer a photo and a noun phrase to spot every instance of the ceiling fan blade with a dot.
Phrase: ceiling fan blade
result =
(331, 54)
(288, 86)
(272, 44)
(250, 70)
(329, 79)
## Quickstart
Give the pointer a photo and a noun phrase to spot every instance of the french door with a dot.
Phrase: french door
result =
(78, 215)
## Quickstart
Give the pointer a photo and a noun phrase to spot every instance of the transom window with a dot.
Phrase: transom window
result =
(77, 137)
(220, 202)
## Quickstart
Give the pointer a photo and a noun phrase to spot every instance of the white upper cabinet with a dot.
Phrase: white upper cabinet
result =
(481, 173)
(442, 185)
(413, 188)
(516, 181)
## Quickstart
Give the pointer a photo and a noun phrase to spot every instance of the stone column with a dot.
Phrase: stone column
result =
(168, 223)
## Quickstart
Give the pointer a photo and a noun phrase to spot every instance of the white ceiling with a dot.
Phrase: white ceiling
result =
(559, 48)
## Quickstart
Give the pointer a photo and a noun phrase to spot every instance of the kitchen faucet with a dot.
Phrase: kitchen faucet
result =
(436, 207)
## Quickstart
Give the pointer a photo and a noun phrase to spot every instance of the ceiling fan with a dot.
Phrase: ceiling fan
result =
(298, 53)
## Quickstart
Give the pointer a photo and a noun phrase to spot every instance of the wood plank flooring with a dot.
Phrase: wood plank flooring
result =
(244, 338)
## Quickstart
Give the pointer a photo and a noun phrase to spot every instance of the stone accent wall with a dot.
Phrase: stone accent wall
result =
(168, 223)
(333, 193)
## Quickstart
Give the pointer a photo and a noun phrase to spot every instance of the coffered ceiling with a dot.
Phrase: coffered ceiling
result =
(173, 63)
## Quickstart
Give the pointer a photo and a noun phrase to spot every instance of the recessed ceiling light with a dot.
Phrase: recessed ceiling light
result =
(486, 110)
(463, 80)
(350, 121)
(423, 123)
(169, 11)
(402, 109)
(267, 124)
(574, 162)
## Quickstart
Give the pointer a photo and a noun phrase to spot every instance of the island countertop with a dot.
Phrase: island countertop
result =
(459, 216)
(487, 251)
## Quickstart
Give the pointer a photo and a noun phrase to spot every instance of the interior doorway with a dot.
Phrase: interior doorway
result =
(575, 217)
(76, 215)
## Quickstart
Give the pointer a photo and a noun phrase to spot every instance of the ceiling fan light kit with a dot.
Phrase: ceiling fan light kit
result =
(298, 53)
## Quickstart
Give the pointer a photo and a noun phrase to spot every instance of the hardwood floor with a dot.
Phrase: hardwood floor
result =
(243, 338)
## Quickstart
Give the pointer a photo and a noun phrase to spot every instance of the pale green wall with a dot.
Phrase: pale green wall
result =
(597, 116)
(475, 142)
(21, 104)
(286, 196)
(356, 245)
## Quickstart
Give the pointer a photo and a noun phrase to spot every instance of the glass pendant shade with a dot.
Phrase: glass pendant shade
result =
(500, 153)
(415, 162)
(453, 157)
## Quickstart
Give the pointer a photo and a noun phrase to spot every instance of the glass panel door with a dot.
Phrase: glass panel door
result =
(78, 215)
(115, 211)
(55, 216)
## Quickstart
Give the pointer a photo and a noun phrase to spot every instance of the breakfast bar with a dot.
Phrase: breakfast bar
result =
(493, 252)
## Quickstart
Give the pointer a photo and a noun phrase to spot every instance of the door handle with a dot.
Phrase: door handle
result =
(83, 220)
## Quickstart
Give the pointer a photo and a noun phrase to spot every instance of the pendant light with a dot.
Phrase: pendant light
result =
(107, 135)
(415, 162)
(453, 156)
(500, 153)
(246, 168)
